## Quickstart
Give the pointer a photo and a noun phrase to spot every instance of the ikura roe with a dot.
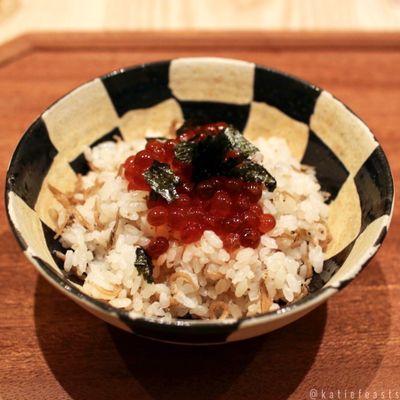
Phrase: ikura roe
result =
(231, 241)
(253, 190)
(157, 246)
(192, 232)
(250, 237)
(228, 206)
(157, 216)
(221, 204)
(267, 223)
(176, 218)
(142, 161)
(157, 150)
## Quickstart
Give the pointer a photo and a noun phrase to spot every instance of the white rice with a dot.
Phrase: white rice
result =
(201, 278)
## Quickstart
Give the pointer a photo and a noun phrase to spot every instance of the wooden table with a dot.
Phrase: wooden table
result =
(52, 349)
(21, 16)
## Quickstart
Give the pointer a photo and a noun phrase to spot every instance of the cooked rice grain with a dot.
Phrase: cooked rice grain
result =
(108, 223)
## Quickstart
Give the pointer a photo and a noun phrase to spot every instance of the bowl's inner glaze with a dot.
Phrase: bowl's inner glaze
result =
(320, 130)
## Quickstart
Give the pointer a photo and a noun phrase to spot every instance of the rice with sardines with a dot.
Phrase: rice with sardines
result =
(105, 228)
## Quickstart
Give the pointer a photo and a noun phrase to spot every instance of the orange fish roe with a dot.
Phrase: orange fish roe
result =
(228, 206)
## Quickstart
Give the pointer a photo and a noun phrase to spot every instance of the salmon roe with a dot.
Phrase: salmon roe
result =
(157, 246)
(228, 206)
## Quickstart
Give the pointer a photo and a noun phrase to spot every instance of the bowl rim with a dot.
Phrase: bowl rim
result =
(309, 301)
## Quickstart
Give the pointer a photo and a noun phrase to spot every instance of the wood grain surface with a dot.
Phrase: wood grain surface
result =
(21, 16)
(52, 349)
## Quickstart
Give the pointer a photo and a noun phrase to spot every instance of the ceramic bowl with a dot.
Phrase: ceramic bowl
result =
(321, 131)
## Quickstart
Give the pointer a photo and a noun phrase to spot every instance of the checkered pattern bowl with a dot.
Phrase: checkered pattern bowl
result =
(320, 130)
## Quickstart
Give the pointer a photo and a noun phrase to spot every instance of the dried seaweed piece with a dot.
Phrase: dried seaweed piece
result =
(144, 264)
(184, 151)
(250, 171)
(162, 180)
(209, 156)
(239, 143)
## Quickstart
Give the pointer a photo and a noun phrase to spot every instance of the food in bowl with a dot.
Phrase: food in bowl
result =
(204, 225)
(320, 130)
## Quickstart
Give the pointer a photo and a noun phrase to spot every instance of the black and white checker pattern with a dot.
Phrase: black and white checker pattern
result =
(349, 163)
